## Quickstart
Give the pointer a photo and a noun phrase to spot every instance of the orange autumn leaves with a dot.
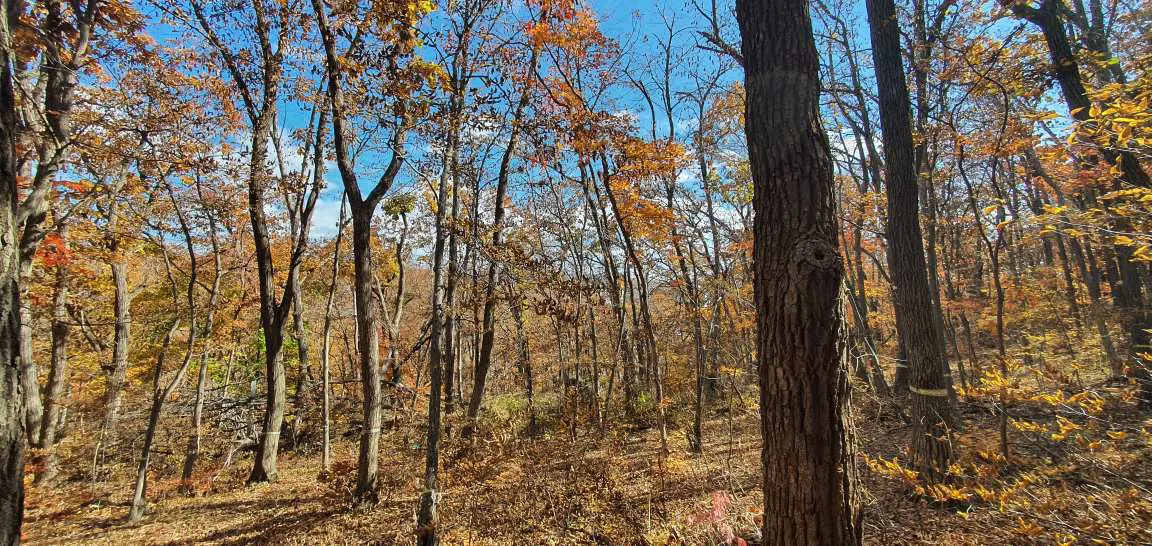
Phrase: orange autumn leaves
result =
(640, 164)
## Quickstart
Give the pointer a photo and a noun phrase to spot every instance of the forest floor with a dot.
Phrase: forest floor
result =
(614, 488)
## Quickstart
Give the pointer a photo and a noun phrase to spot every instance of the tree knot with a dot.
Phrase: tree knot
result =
(817, 253)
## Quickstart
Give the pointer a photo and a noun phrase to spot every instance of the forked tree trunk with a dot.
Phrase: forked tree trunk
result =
(268, 445)
(808, 451)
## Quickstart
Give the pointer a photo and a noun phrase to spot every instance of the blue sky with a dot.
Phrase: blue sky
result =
(625, 21)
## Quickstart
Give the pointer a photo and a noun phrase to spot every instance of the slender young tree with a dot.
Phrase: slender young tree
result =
(326, 347)
(427, 519)
(196, 429)
(808, 452)
(161, 391)
(487, 340)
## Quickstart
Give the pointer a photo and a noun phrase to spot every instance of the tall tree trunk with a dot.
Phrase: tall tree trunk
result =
(54, 391)
(368, 343)
(268, 446)
(808, 451)
(931, 445)
(11, 404)
(451, 317)
(114, 374)
(29, 371)
(260, 98)
(1090, 274)
(523, 357)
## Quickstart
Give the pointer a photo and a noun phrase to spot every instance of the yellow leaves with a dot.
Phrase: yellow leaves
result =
(1047, 116)
(428, 72)
(401, 9)
(1027, 426)
(1065, 428)
(1123, 240)
(943, 493)
(1142, 254)
(422, 7)
(892, 469)
(1027, 528)
(643, 217)
(349, 66)
(641, 159)
(640, 163)
(731, 371)
(985, 494)
(1138, 194)
(1117, 434)
(1088, 401)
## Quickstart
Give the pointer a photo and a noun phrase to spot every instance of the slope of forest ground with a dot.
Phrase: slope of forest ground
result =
(616, 488)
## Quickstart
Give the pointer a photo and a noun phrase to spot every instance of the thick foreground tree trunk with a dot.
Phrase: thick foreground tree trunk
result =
(808, 452)
(11, 407)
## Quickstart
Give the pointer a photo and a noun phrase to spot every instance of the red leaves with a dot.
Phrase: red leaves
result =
(54, 251)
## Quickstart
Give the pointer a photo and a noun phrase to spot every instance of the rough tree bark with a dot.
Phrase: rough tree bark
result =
(11, 402)
(931, 411)
(808, 451)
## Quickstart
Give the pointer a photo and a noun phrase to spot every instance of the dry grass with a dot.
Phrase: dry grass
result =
(614, 488)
